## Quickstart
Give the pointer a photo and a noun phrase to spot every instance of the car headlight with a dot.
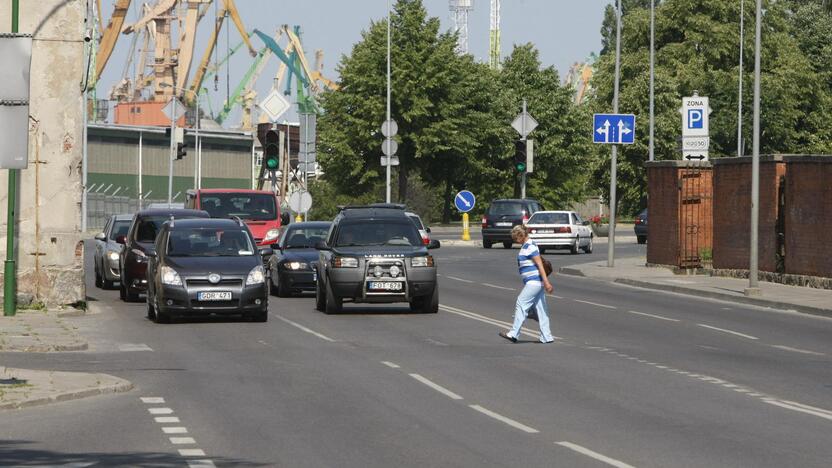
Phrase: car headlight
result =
(423, 261)
(256, 276)
(271, 235)
(296, 265)
(141, 257)
(395, 271)
(170, 276)
(113, 256)
(345, 262)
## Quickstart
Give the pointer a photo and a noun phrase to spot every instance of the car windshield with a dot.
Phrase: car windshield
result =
(504, 209)
(149, 227)
(209, 242)
(378, 233)
(120, 228)
(304, 238)
(549, 218)
(251, 206)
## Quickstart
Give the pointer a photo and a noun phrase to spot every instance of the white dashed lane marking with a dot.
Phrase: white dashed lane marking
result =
(182, 440)
(153, 400)
(501, 418)
(305, 329)
(160, 410)
(177, 440)
(166, 419)
(192, 452)
(391, 365)
(459, 279)
(723, 330)
(643, 314)
(436, 387)
(175, 430)
(593, 454)
(489, 285)
(595, 304)
(797, 350)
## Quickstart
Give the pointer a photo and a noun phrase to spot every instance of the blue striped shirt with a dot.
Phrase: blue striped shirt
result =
(528, 269)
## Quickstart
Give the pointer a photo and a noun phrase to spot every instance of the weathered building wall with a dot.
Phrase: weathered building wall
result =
(732, 212)
(808, 215)
(48, 247)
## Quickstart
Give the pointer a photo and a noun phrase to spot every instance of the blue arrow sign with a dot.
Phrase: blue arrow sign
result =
(614, 129)
(465, 201)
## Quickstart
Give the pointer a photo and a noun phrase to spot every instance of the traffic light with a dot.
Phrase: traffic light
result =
(520, 155)
(181, 150)
(271, 150)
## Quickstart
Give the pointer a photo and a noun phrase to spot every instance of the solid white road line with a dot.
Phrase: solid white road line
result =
(167, 419)
(192, 452)
(153, 400)
(595, 304)
(653, 316)
(459, 279)
(131, 347)
(489, 285)
(554, 297)
(797, 350)
(595, 455)
(436, 387)
(728, 331)
(501, 418)
(307, 330)
(182, 440)
(175, 430)
(391, 365)
(160, 410)
(791, 405)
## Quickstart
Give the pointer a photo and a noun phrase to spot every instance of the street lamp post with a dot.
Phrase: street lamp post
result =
(389, 157)
(753, 287)
(739, 99)
(613, 169)
(652, 71)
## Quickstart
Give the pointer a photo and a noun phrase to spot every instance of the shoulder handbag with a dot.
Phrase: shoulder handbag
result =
(547, 266)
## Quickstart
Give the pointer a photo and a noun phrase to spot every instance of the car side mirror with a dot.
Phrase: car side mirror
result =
(284, 218)
(151, 254)
(101, 236)
(585, 223)
(434, 244)
(121, 240)
(321, 245)
(266, 251)
(427, 229)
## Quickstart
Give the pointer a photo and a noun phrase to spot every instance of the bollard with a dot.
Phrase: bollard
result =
(466, 231)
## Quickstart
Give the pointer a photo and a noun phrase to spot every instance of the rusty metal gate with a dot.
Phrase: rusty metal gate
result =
(691, 216)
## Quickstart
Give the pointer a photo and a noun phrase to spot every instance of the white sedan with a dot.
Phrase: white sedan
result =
(560, 230)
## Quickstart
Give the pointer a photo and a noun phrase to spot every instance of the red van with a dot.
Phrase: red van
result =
(258, 208)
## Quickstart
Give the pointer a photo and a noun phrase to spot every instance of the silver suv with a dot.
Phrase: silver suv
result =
(375, 254)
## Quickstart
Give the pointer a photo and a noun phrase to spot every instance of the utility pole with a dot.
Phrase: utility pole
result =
(613, 175)
(389, 157)
(652, 72)
(753, 288)
(172, 148)
(10, 269)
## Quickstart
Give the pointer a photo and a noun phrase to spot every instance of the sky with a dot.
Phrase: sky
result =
(565, 31)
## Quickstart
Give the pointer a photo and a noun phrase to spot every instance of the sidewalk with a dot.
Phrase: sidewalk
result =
(36, 331)
(634, 272)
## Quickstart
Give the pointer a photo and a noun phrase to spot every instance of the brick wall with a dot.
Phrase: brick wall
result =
(732, 212)
(809, 215)
(668, 184)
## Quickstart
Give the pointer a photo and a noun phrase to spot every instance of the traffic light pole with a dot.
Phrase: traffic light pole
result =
(172, 149)
(523, 172)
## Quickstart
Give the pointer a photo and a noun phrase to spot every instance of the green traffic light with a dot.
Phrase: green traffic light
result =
(271, 163)
(520, 167)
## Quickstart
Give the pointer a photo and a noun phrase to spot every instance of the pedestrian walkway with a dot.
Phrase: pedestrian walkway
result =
(634, 271)
(34, 331)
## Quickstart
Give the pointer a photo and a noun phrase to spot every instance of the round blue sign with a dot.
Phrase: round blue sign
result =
(465, 201)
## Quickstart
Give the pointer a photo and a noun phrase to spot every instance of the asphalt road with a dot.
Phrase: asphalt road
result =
(636, 378)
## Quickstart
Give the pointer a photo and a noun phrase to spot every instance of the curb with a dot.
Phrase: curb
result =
(119, 387)
(726, 297)
(571, 271)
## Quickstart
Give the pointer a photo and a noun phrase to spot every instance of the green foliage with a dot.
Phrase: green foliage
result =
(697, 50)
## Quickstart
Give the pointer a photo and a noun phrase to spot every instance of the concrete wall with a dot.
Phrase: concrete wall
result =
(732, 212)
(49, 245)
(808, 215)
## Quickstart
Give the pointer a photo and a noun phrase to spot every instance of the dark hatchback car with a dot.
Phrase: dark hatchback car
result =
(502, 216)
(375, 254)
(206, 266)
(293, 266)
(108, 251)
(640, 227)
(139, 242)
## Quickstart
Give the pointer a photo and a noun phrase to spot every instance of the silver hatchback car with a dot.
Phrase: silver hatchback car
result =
(560, 230)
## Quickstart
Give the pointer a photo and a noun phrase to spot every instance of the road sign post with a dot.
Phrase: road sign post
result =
(524, 123)
(465, 202)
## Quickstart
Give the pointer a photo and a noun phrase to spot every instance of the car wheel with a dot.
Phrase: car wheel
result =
(425, 304)
(574, 249)
(588, 247)
(262, 316)
(272, 287)
(98, 281)
(151, 311)
(641, 239)
(122, 293)
(507, 244)
(282, 291)
(333, 303)
(486, 244)
(320, 299)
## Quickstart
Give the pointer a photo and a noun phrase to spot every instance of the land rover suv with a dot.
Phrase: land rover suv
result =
(375, 254)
